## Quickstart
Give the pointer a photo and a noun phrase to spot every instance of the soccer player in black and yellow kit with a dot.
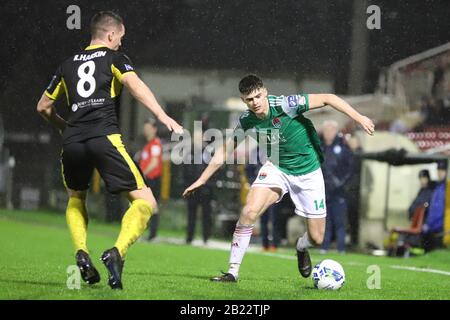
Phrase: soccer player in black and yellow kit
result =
(91, 81)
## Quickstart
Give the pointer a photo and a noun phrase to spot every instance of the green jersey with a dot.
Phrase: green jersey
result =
(298, 145)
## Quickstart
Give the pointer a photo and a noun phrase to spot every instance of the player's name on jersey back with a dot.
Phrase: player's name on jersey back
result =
(86, 57)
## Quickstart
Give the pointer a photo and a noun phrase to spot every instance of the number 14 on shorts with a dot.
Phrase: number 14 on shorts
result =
(319, 204)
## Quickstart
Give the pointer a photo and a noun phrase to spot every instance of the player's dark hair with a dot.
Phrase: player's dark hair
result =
(250, 83)
(102, 21)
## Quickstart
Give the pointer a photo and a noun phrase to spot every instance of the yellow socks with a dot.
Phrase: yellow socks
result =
(77, 220)
(134, 223)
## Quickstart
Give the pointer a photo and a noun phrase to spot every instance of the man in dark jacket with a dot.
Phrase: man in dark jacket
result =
(337, 172)
(432, 230)
(425, 192)
(197, 162)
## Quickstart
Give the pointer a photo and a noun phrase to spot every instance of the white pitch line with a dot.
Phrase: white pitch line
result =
(447, 273)
(351, 263)
(221, 245)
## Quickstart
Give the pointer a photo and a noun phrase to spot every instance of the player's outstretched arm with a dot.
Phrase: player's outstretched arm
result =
(321, 100)
(46, 109)
(216, 162)
(144, 95)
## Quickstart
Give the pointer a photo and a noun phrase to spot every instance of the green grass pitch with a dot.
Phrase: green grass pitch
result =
(36, 251)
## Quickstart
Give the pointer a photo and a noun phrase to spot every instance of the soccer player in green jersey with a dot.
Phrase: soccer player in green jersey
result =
(297, 170)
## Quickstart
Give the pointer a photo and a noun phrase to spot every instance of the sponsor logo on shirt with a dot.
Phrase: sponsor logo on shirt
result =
(88, 103)
(128, 67)
(262, 176)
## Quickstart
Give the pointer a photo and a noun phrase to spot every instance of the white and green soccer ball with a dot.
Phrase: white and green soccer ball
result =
(328, 274)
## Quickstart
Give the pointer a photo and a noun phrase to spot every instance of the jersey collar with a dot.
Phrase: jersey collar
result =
(94, 46)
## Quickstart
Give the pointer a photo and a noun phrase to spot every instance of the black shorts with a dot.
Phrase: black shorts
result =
(108, 155)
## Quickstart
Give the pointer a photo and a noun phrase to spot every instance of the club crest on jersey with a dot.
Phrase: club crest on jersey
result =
(262, 176)
(276, 122)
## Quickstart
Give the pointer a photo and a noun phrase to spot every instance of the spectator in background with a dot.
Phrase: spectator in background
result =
(426, 112)
(425, 192)
(353, 190)
(150, 162)
(439, 86)
(198, 161)
(271, 216)
(337, 171)
(432, 230)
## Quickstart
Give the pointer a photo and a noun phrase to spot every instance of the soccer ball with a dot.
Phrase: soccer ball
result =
(328, 274)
